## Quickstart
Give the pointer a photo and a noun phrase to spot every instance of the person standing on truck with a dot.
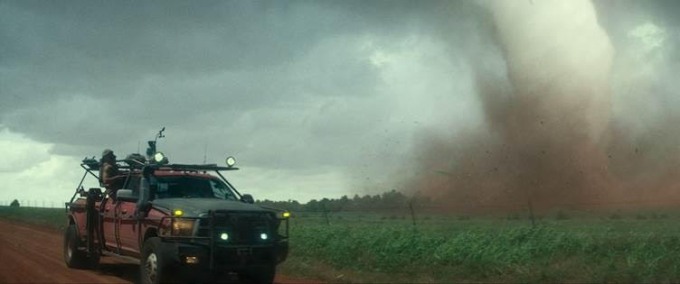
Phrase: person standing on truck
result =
(109, 176)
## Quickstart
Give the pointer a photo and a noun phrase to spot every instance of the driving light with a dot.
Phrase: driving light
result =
(182, 227)
(263, 236)
(286, 214)
(158, 157)
(231, 161)
(178, 213)
(224, 236)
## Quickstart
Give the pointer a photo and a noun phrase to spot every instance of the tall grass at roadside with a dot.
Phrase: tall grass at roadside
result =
(54, 218)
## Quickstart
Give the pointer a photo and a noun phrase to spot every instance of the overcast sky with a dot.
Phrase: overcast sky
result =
(313, 98)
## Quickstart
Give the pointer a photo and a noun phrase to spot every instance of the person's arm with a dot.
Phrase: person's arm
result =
(111, 178)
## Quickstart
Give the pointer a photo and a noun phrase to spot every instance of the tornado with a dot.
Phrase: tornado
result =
(547, 119)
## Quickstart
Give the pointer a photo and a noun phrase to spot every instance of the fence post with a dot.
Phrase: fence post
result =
(531, 214)
(325, 213)
(413, 214)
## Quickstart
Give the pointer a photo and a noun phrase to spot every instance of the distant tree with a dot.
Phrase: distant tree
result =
(312, 205)
(15, 203)
(376, 200)
(324, 204)
(393, 199)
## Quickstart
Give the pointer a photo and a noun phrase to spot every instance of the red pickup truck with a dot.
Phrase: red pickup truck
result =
(178, 221)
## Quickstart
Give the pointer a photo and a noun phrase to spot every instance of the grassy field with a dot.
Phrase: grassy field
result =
(54, 218)
(562, 247)
(496, 251)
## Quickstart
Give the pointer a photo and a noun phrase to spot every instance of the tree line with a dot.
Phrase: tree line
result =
(388, 200)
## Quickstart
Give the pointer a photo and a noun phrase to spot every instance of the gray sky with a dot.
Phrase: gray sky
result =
(314, 98)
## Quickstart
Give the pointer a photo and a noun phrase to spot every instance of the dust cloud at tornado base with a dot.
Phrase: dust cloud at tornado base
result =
(551, 136)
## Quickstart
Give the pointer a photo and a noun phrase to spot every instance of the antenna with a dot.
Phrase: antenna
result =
(205, 153)
(152, 144)
(160, 133)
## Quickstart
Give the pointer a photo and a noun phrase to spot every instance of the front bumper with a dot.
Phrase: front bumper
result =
(225, 257)
(207, 252)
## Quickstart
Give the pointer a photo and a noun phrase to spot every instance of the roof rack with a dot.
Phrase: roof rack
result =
(94, 165)
(204, 167)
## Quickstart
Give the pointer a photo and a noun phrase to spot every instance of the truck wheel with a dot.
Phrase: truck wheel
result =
(73, 257)
(154, 264)
(263, 275)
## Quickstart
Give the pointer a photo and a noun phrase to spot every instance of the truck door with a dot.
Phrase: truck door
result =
(109, 225)
(128, 228)
(127, 223)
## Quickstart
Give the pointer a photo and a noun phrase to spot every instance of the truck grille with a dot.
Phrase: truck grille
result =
(242, 227)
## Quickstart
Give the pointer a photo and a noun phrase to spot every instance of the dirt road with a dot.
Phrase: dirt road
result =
(30, 254)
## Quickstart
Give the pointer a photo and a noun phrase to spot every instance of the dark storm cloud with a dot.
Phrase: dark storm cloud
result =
(276, 83)
(105, 48)
(279, 84)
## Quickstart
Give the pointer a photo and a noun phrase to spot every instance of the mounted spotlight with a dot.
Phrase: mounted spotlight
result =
(159, 158)
(231, 161)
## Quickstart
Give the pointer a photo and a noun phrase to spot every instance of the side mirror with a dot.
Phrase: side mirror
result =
(144, 193)
(247, 198)
(126, 195)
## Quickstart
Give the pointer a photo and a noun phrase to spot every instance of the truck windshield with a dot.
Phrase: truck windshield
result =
(191, 187)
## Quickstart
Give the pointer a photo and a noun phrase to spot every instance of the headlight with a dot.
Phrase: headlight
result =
(224, 236)
(264, 236)
(183, 227)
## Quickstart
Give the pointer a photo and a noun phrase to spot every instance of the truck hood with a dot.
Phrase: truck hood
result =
(193, 207)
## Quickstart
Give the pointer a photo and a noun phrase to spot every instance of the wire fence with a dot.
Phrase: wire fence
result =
(34, 203)
(417, 215)
(426, 213)
(38, 203)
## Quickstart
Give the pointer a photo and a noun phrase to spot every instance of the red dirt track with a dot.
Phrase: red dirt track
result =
(32, 254)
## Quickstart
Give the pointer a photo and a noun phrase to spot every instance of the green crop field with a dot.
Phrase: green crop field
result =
(487, 250)
(562, 247)
(54, 218)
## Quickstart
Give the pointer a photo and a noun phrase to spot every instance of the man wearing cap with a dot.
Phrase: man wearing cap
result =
(109, 177)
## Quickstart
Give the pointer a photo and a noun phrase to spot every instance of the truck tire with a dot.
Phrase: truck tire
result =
(263, 275)
(73, 257)
(154, 264)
